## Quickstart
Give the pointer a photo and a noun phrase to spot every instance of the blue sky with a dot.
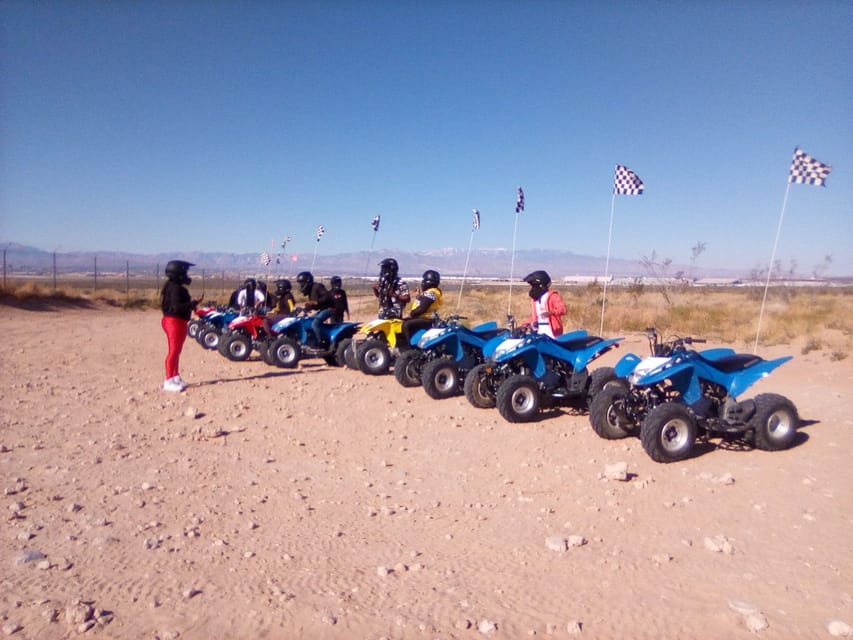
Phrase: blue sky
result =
(173, 126)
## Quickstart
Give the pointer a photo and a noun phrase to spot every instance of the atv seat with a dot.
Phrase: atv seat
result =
(576, 344)
(489, 333)
(737, 362)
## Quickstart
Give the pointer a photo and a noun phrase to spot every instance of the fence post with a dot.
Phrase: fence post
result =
(5, 249)
(96, 273)
(127, 280)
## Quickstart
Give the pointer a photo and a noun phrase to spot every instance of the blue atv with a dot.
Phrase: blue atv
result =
(213, 325)
(529, 372)
(444, 355)
(294, 339)
(679, 393)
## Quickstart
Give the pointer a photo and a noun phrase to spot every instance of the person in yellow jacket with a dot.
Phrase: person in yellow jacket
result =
(427, 300)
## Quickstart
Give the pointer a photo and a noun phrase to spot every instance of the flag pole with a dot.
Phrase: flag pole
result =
(607, 263)
(512, 267)
(314, 258)
(770, 266)
(465, 271)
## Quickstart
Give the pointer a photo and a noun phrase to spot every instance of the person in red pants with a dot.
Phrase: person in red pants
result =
(177, 310)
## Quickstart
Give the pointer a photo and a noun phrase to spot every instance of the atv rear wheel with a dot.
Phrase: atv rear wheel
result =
(237, 347)
(441, 379)
(478, 388)
(518, 399)
(775, 422)
(607, 413)
(407, 368)
(349, 353)
(669, 432)
(373, 357)
(285, 352)
(340, 352)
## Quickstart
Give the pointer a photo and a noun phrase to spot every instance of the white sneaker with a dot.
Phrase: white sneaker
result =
(172, 385)
(180, 381)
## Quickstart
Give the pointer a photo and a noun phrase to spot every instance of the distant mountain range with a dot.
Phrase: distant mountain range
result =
(483, 263)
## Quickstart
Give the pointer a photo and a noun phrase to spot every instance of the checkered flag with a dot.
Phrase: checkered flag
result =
(265, 258)
(375, 223)
(519, 201)
(285, 241)
(320, 231)
(807, 170)
(476, 223)
(626, 182)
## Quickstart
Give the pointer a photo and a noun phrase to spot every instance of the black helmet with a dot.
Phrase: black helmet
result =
(305, 281)
(538, 278)
(282, 286)
(389, 267)
(430, 279)
(176, 270)
(250, 282)
(336, 282)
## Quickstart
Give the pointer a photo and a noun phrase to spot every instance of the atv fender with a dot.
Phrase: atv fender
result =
(626, 365)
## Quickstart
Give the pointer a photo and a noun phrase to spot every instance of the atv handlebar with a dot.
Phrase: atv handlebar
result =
(664, 348)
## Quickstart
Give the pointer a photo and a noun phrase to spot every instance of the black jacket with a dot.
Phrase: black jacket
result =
(175, 301)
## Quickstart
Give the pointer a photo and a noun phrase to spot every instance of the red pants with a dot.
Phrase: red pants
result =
(176, 334)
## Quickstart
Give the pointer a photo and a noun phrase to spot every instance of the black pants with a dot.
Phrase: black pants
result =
(411, 326)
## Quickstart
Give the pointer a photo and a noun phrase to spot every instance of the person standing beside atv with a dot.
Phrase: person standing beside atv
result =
(392, 292)
(177, 309)
(548, 306)
(339, 299)
(427, 301)
(319, 301)
(284, 304)
(250, 295)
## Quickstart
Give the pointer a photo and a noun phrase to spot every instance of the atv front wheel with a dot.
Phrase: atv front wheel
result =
(285, 352)
(441, 379)
(607, 413)
(237, 347)
(669, 432)
(478, 388)
(193, 327)
(373, 357)
(600, 379)
(407, 368)
(209, 338)
(775, 422)
(518, 399)
(340, 352)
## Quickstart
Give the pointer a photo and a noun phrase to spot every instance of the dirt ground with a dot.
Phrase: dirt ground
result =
(324, 503)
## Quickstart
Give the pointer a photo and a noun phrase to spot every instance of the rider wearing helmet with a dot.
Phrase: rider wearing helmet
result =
(548, 306)
(284, 304)
(392, 292)
(319, 300)
(427, 301)
(339, 299)
(177, 307)
(251, 295)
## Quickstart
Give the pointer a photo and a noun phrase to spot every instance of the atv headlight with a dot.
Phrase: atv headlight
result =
(510, 344)
(428, 335)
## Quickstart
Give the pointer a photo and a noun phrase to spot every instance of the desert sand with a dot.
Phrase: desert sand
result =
(324, 503)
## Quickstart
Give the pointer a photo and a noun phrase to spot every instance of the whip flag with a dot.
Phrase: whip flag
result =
(374, 224)
(807, 170)
(320, 231)
(519, 207)
(625, 183)
(804, 170)
(475, 224)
